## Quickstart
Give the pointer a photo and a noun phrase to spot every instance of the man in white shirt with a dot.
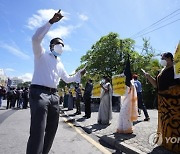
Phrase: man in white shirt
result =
(44, 100)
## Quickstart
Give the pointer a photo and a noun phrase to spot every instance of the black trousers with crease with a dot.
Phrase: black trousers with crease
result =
(141, 104)
(87, 101)
(44, 107)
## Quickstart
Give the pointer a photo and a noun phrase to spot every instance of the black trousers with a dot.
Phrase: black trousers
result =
(78, 106)
(25, 103)
(44, 107)
(87, 101)
(141, 104)
(8, 103)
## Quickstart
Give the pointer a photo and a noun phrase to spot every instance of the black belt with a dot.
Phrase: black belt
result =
(53, 90)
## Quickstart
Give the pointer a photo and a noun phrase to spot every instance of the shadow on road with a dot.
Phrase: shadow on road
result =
(160, 150)
(94, 128)
(6, 114)
(122, 137)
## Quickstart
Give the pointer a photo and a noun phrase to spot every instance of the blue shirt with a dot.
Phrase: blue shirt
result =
(138, 85)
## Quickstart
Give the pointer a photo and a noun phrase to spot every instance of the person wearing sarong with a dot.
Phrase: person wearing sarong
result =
(129, 110)
(168, 90)
(105, 107)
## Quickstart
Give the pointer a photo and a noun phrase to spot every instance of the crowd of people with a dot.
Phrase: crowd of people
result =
(44, 99)
(16, 97)
(167, 86)
(168, 90)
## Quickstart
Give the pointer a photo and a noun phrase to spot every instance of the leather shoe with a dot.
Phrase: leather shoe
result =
(147, 119)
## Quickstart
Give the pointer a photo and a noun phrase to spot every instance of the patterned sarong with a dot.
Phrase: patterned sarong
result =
(169, 118)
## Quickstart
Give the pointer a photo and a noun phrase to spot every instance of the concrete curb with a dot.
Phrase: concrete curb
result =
(121, 146)
(108, 140)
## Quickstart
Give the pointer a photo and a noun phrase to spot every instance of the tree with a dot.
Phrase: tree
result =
(151, 65)
(24, 84)
(106, 56)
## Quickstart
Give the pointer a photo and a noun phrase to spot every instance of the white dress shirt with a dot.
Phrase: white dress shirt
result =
(47, 69)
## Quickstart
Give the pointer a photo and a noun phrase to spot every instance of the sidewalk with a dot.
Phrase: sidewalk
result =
(138, 142)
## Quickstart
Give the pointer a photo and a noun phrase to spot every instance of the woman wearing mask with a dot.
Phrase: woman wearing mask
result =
(105, 108)
(168, 90)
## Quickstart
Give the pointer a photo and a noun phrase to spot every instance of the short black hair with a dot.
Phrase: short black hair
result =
(54, 39)
(107, 78)
(168, 55)
(90, 80)
(135, 76)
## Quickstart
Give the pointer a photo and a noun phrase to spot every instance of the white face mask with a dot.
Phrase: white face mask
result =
(163, 62)
(103, 81)
(58, 49)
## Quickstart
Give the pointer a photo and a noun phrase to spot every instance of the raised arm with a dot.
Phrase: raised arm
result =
(41, 32)
(105, 89)
(37, 39)
(151, 80)
(74, 78)
(68, 79)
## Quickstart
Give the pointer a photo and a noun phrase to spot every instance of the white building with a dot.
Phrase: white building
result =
(15, 81)
(3, 78)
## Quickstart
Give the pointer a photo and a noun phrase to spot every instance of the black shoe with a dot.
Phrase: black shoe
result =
(88, 117)
(147, 119)
(84, 116)
(78, 113)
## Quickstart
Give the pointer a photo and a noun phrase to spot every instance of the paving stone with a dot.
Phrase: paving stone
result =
(136, 142)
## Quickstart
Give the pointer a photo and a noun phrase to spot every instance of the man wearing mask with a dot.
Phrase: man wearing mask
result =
(44, 99)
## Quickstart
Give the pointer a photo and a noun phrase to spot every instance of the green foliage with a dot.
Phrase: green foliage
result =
(24, 84)
(62, 84)
(149, 64)
(107, 56)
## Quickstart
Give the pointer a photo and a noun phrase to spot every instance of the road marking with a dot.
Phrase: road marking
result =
(89, 139)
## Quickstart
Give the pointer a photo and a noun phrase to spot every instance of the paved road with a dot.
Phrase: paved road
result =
(14, 131)
(71, 137)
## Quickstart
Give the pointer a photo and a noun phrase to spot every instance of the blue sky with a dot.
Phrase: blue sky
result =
(85, 22)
